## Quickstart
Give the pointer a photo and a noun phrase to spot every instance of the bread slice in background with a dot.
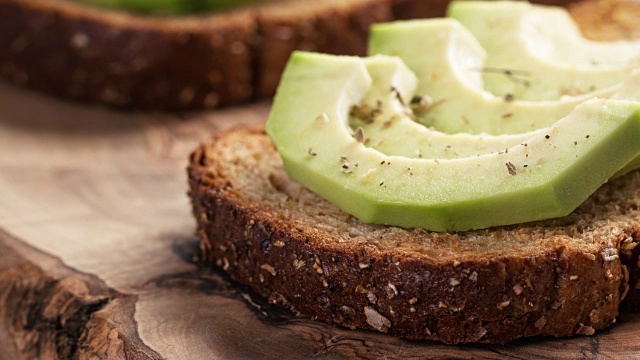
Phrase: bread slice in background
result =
(72, 50)
(607, 20)
(328, 26)
(558, 277)
(80, 52)
(85, 53)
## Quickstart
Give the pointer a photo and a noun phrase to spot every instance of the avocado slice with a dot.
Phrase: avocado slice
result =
(448, 62)
(544, 47)
(309, 126)
(385, 117)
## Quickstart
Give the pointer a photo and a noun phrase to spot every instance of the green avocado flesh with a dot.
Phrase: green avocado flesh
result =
(543, 48)
(170, 7)
(544, 177)
(385, 117)
(448, 62)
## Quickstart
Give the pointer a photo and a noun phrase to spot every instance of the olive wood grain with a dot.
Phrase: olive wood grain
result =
(98, 257)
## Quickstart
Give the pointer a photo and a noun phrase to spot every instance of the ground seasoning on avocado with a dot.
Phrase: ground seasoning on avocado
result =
(366, 113)
(359, 135)
(422, 104)
(517, 76)
(398, 96)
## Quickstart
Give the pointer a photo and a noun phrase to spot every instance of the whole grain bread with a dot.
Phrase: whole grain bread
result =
(75, 51)
(72, 50)
(607, 20)
(558, 277)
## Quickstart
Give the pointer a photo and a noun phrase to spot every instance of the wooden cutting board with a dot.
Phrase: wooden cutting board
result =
(98, 257)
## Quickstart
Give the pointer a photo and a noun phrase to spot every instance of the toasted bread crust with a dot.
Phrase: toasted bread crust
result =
(313, 26)
(75, 51)
(558, 277)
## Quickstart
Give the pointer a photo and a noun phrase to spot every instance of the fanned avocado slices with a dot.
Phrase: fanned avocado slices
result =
(386, 118)
(542, 49)
(548, 176)
(448, 62)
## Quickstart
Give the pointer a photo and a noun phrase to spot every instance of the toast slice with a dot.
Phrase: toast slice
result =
(558, 277)
(76, 51)
(72, 50)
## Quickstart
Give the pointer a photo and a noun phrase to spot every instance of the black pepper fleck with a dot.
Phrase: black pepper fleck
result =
(398, 96)
(517, 76)
(359, 134)
(420, 104)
